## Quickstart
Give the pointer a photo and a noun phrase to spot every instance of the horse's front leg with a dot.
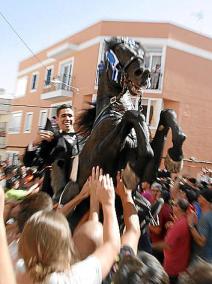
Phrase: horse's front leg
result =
(138, 157)
(111, 144)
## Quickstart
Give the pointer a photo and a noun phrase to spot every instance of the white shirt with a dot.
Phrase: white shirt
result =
(87, 271)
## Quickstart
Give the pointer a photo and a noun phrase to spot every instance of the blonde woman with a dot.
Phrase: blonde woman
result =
(47, 248)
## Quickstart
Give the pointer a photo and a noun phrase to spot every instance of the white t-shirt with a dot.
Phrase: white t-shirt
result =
(87, 271)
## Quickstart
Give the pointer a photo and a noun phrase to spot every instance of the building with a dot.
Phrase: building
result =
(180, 62)
(5, 106)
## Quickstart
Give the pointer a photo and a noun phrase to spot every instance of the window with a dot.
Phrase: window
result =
(48, 76)
(153, 63)
(151, 109)
(34, 81)
(65, 75)
(21, 86)
(42, 119)
(15, 122)
(28, 122)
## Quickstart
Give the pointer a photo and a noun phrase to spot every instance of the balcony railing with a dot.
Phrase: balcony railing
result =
(2, 142)
(5, 106)
(57, 89)
(3, 127)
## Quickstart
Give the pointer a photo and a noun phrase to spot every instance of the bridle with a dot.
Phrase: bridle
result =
(120, 73)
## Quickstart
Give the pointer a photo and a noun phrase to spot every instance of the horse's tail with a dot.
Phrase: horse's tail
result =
(85, 120)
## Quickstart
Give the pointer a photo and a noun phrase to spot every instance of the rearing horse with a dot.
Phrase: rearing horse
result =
(117, 134)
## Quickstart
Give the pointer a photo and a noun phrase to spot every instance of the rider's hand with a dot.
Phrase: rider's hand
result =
(43, 135)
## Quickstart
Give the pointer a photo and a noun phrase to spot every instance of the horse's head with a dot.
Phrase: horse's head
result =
(125, 64)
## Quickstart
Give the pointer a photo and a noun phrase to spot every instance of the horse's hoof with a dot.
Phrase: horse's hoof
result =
(173, 166)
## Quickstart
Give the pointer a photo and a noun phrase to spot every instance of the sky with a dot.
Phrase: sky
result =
(41, 23)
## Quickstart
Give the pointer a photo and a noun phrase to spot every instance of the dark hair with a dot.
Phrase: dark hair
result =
(63, 106)
(193, 180)
(166, 196)
(192, 196)
(164, 174)
(146, 269)
(11, 182)
(9, 170)
(31, 204)
(183, 204)
(199, 273)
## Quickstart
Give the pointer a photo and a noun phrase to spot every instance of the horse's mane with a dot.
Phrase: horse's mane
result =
(85, 120)
(122, 40)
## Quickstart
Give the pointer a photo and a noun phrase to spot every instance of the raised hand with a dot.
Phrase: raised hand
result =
(105, 191)
(121, 190)
(95, 178)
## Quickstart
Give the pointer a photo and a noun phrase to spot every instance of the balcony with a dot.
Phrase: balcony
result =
(3, 127)
(2, 142)
(56, 90)
(5, 106)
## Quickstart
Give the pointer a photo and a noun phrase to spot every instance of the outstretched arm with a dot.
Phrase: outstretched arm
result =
(6, 270)
(68, 207)
(94, 202)
(132, 232)
(108, 251)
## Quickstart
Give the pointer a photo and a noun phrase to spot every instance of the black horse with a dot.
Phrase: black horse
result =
(117, 136)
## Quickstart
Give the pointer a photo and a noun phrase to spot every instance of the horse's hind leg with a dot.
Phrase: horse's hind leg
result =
(174, 157)
(157, 145)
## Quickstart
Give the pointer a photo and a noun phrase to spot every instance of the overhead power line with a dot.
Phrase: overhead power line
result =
(21, 39)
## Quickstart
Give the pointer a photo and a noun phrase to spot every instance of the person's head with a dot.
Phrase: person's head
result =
(46, 245)
(88, 237)
(205, 197)
(13, 182)
(199, 273)
(30, 205)
(156, 190)
(144, 269)
(145, 185)
(180, 207)
(166, 196)
(65, 118)
(22, 171)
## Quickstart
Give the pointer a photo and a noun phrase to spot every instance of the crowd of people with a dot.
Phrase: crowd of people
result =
(38, 245)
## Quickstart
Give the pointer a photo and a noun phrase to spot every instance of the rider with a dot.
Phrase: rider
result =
(43, 150)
